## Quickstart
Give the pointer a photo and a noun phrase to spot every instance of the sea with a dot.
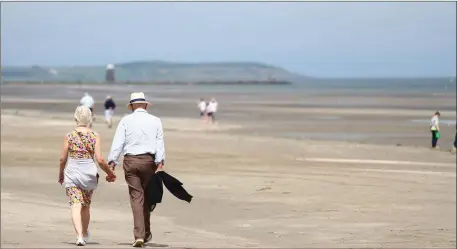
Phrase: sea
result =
(392, 86)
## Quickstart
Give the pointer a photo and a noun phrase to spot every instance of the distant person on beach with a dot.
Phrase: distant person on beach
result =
(202, 107)
(211, 110)
(454, 147)
(88, 102)
(109, 110)
(435, 129)
(139, 138)
(79, 176)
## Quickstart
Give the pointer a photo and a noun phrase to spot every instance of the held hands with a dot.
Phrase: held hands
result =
(111, 177)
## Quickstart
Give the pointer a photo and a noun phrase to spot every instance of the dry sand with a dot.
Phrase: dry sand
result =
(251, 190)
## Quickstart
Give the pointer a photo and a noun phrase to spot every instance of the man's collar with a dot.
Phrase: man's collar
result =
(140, 110)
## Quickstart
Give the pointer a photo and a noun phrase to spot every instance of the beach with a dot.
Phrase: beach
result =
(284, 168)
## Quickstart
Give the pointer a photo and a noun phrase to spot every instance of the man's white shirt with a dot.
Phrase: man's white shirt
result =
(202, 106)
(212, 107)
(87, 101)
(138, 133)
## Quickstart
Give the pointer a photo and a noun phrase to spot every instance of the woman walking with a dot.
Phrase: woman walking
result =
(80, 176)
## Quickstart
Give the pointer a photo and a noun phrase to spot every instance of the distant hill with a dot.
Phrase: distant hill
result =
(154, 71)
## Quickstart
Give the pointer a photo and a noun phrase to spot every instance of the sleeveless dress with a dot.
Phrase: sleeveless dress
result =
(80, 174)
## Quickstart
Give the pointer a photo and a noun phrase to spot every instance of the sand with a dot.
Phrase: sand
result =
(253, 185)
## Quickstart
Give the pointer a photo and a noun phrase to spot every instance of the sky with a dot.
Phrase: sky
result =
(337, 39)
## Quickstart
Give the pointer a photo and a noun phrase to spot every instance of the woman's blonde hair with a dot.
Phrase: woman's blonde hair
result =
(83, 115)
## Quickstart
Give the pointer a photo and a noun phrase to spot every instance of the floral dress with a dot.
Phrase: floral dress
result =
(81, 147)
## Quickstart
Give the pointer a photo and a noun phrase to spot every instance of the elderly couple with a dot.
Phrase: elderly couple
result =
(139, 136)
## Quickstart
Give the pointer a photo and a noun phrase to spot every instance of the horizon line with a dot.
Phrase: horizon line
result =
(231, 62)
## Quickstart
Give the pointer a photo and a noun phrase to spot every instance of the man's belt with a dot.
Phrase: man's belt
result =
(144, 154)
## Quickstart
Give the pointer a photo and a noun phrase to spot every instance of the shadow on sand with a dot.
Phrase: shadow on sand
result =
(88, 243)
(146, 244)
(124, 244)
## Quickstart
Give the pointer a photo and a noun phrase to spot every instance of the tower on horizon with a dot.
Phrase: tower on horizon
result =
(110, 76)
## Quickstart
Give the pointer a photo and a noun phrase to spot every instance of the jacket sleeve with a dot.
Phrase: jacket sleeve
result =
(155, 192)
(175, 187)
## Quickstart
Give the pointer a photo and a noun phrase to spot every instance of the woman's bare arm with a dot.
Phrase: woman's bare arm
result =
(63, 157)
(99, 158)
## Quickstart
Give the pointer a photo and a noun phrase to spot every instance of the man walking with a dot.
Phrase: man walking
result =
(202, 108)
(139, 137)
(88, 102)
(109, 111)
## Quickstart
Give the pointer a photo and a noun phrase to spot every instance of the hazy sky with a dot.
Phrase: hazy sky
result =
(343, 39)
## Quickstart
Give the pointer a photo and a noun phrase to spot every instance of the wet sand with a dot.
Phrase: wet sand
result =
(264, 176)
(326, 115)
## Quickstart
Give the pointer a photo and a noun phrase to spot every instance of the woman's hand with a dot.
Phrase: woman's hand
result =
(61, 177)
(63, 160)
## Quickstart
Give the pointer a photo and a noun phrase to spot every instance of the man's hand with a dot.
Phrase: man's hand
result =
(111, 165)
(159, 167)
(112, 176)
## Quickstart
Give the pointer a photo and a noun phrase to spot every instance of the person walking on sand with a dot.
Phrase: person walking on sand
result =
(211, 110)
(139, 137)
(454, 147)
(435, 129)
(80, 176)
(202, 108)
(88, 102)
(109, 111)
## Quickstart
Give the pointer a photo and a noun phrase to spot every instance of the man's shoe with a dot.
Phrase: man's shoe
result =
(138, 243)
(147, 238)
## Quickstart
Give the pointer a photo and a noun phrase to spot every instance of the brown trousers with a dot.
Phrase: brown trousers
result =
(138, 171)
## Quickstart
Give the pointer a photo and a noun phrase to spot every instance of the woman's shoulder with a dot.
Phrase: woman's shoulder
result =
(83, 132)
(91, 133)
(70, 133)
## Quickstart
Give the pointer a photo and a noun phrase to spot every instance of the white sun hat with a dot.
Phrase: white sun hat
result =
(137, 98)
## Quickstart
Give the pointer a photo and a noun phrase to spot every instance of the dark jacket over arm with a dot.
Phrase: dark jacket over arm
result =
(155, 189)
